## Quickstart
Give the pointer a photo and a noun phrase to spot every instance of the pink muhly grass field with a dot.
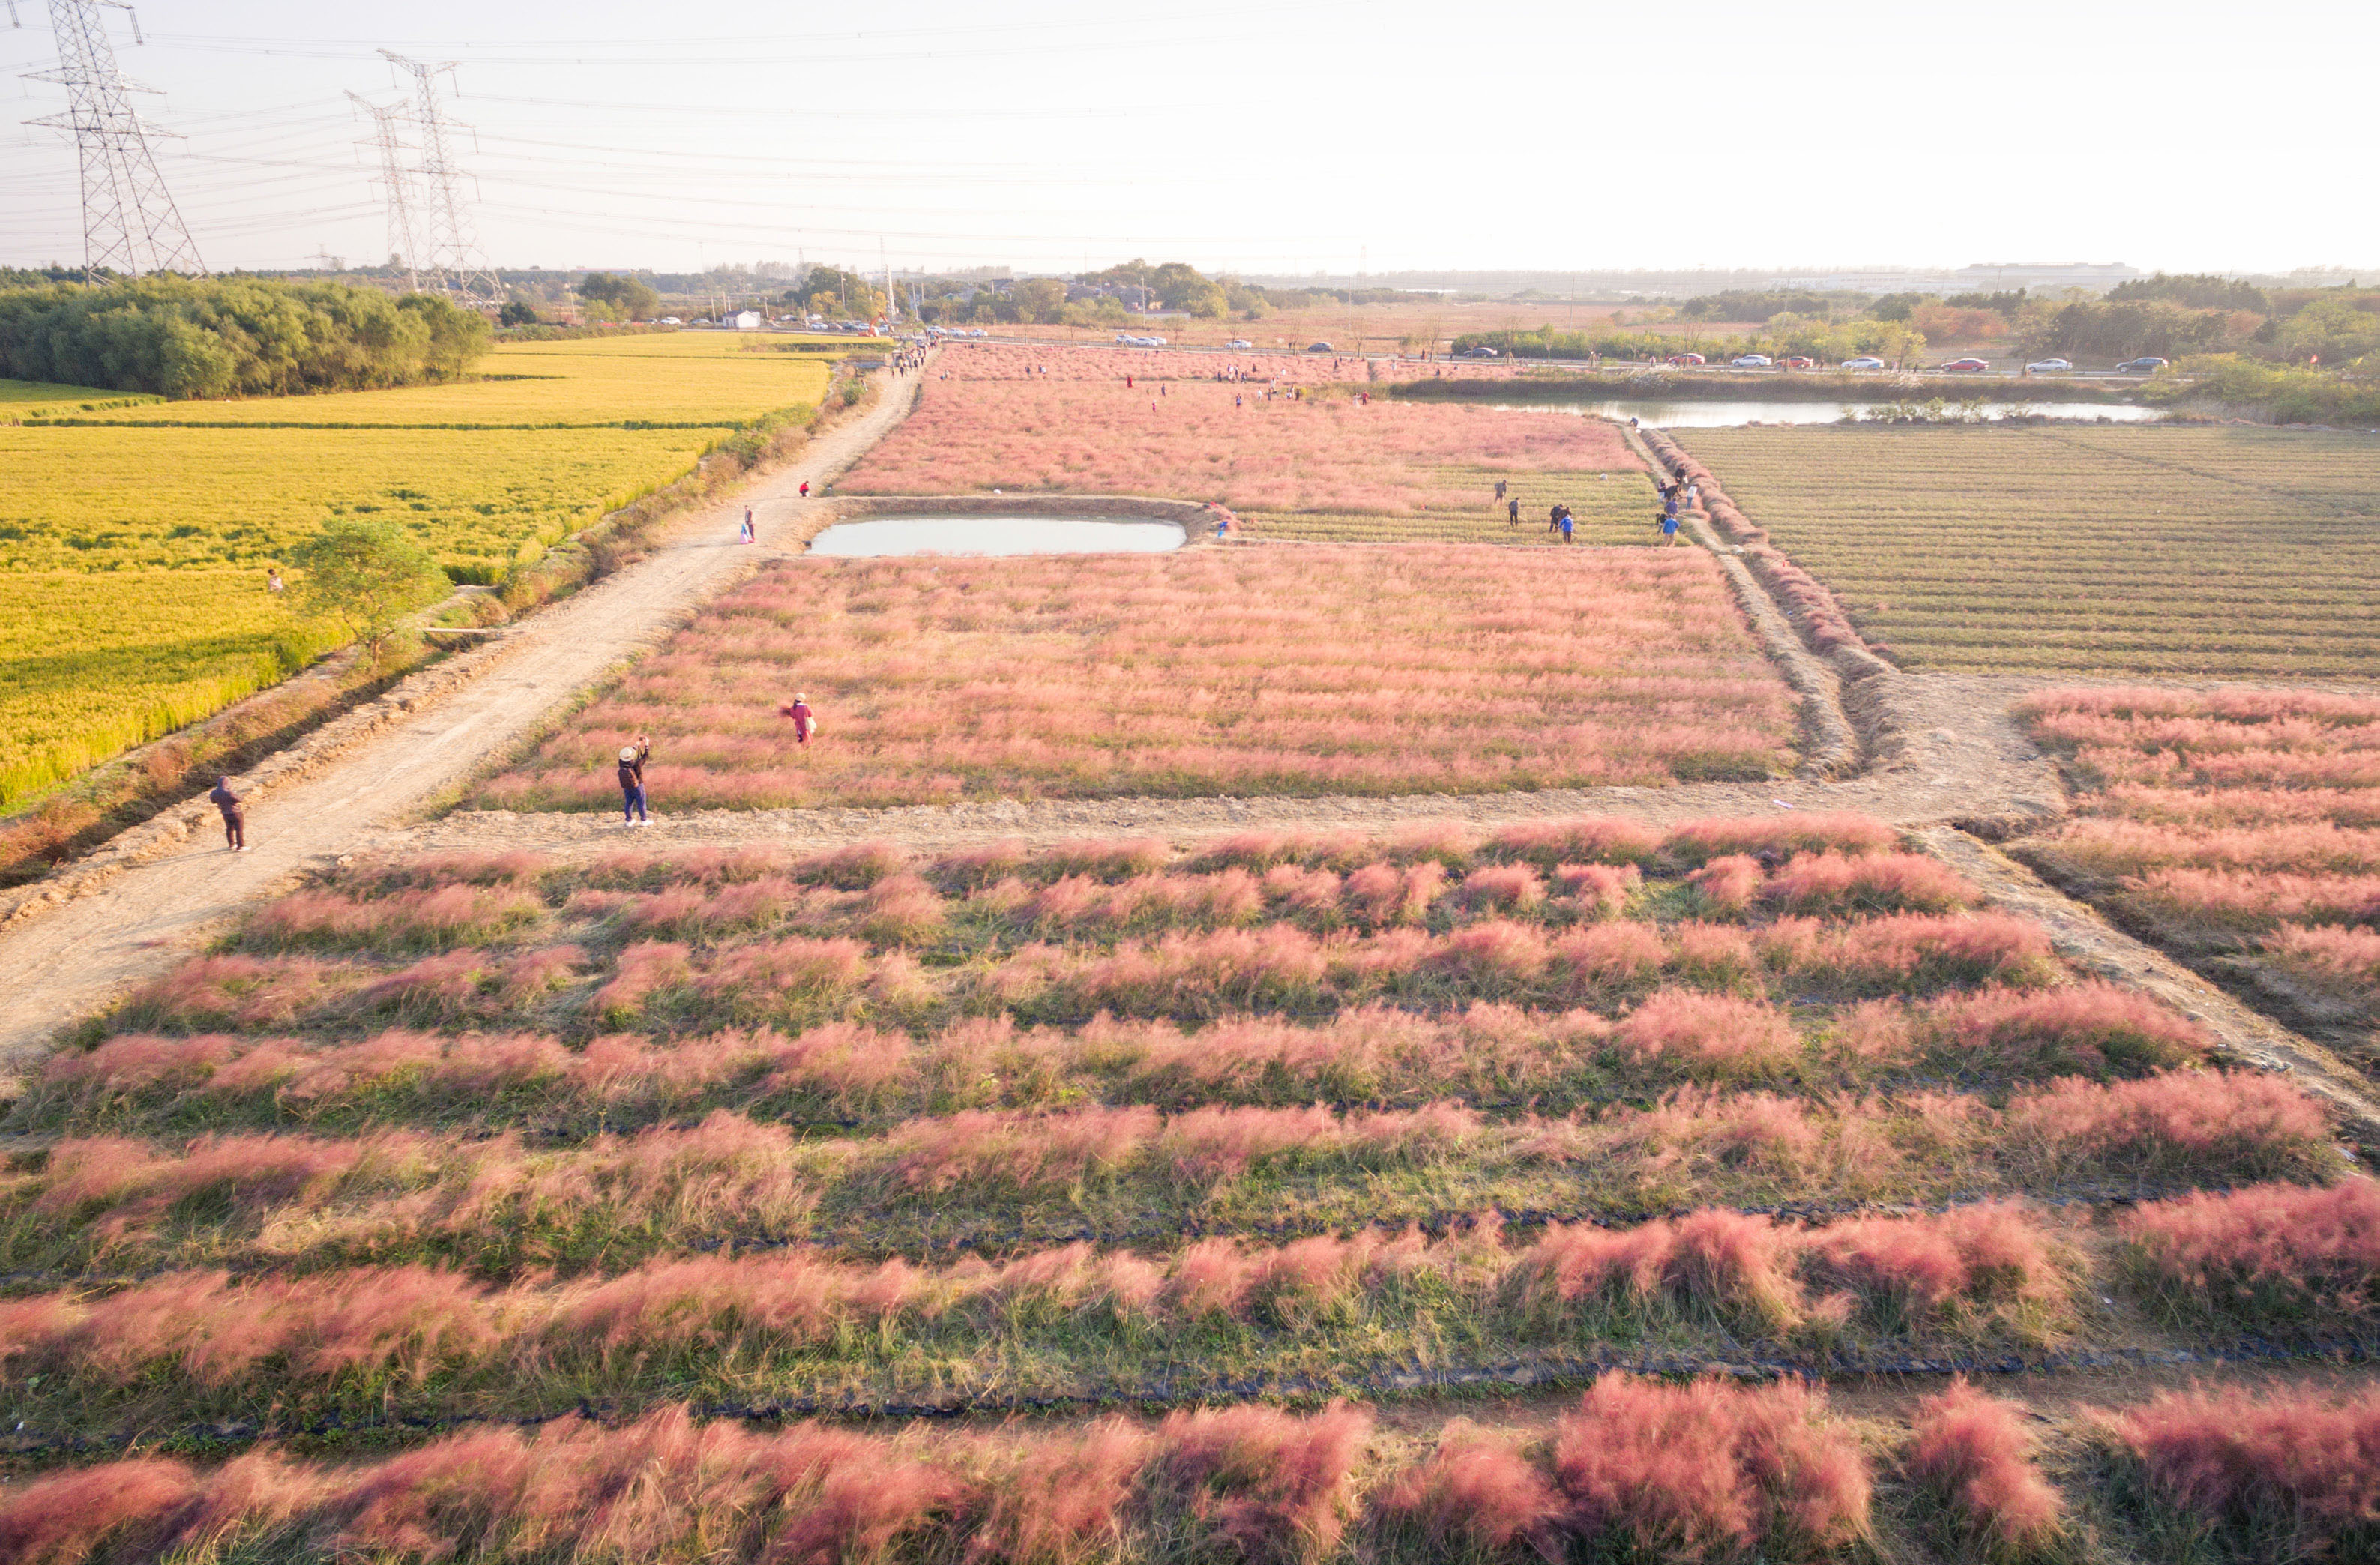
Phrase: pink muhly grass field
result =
(2233, 822)
(1327, 455)
(1331, 670)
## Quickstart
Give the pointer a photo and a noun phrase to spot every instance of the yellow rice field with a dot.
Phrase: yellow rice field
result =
(134, 539)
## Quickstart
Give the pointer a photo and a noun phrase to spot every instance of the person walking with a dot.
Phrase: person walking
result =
(632, 781)
(805, 488)
(235, 818)
(1565, 524)
(1500, 486)
(1669, 525)
(745, 535)
(1512, 508)
(1670, 506)
(273, 580)
(805, 721)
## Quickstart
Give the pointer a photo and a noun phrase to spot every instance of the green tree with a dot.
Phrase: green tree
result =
(622, 297)
(1041, 299)
(366, 575)
(516, 312)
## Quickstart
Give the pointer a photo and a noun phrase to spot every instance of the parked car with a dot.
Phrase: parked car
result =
(1475, 352)
(671, 320)
(2140, 367)
(1685, 358)
(1320, 347)
(1798, 362)
(1753, 361)
(978, 332)
(1968, 366)
(2048, 366)
(1862, 363)
(1237, 343)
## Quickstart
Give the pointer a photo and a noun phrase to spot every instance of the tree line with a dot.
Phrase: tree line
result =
(233, 337)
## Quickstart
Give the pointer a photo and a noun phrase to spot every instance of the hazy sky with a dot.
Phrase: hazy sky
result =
(1056, 134)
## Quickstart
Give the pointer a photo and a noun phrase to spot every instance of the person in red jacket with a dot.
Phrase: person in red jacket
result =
(804, 723)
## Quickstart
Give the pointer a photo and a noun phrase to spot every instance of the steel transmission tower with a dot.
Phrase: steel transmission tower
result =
(451, 254)
(130, 221)
(403, 236)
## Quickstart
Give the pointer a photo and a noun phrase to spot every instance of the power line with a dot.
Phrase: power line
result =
(130, 221)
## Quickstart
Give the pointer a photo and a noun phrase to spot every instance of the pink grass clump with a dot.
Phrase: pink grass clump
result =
(1711, 1037)
(67, 1518)
(238, 993)
(1726, 885)
(1815, 832)
(2273, 1256)
(1503, 888)
(433, 920)
(1974, 1454)
(1596, 890)
(1274, 1489)
(2094, 1029)
(1585, 840)
(2343, 963)
(1709, 1469)
(1475, 1490)
(1840, 884)
(2291, 1470)
(2203, 1123)
(1911, 949)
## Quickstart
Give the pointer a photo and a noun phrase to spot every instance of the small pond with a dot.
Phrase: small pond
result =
(1702, 414)
(999, 535)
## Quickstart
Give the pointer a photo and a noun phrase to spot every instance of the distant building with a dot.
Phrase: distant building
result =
(746, 320)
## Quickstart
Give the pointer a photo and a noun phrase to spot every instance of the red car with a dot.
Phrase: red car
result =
(1797, 362)
(1967, 366)
(1685, 358)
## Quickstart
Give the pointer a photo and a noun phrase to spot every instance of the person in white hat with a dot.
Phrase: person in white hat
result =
(632, 781)
(805, 721)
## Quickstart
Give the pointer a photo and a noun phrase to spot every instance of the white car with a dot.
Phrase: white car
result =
(1239, 343)
(1753, 361)
(978, 332)
(671, 320)
(1863, 364)
(2045, 366)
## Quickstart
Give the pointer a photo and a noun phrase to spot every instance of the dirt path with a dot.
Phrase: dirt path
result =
(70, 961)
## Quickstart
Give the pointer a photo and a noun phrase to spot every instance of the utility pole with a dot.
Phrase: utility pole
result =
(130, 221)
(454, 251)
(404, 242)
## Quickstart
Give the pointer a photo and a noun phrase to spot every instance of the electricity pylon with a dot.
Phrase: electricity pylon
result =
(130, 221)
(403, 236)
(451, 254)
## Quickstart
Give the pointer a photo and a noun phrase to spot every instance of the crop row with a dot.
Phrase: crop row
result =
(1637, 1469)
(1074, 1320)
(908, 911)
(422, 1343)
(983, 1176)
(801, 981)
(1498, 1058)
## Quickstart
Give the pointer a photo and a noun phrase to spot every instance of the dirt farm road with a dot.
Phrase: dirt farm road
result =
(69, 961)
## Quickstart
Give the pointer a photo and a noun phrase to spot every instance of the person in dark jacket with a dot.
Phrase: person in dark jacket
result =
(632, 781)
(235, 821)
